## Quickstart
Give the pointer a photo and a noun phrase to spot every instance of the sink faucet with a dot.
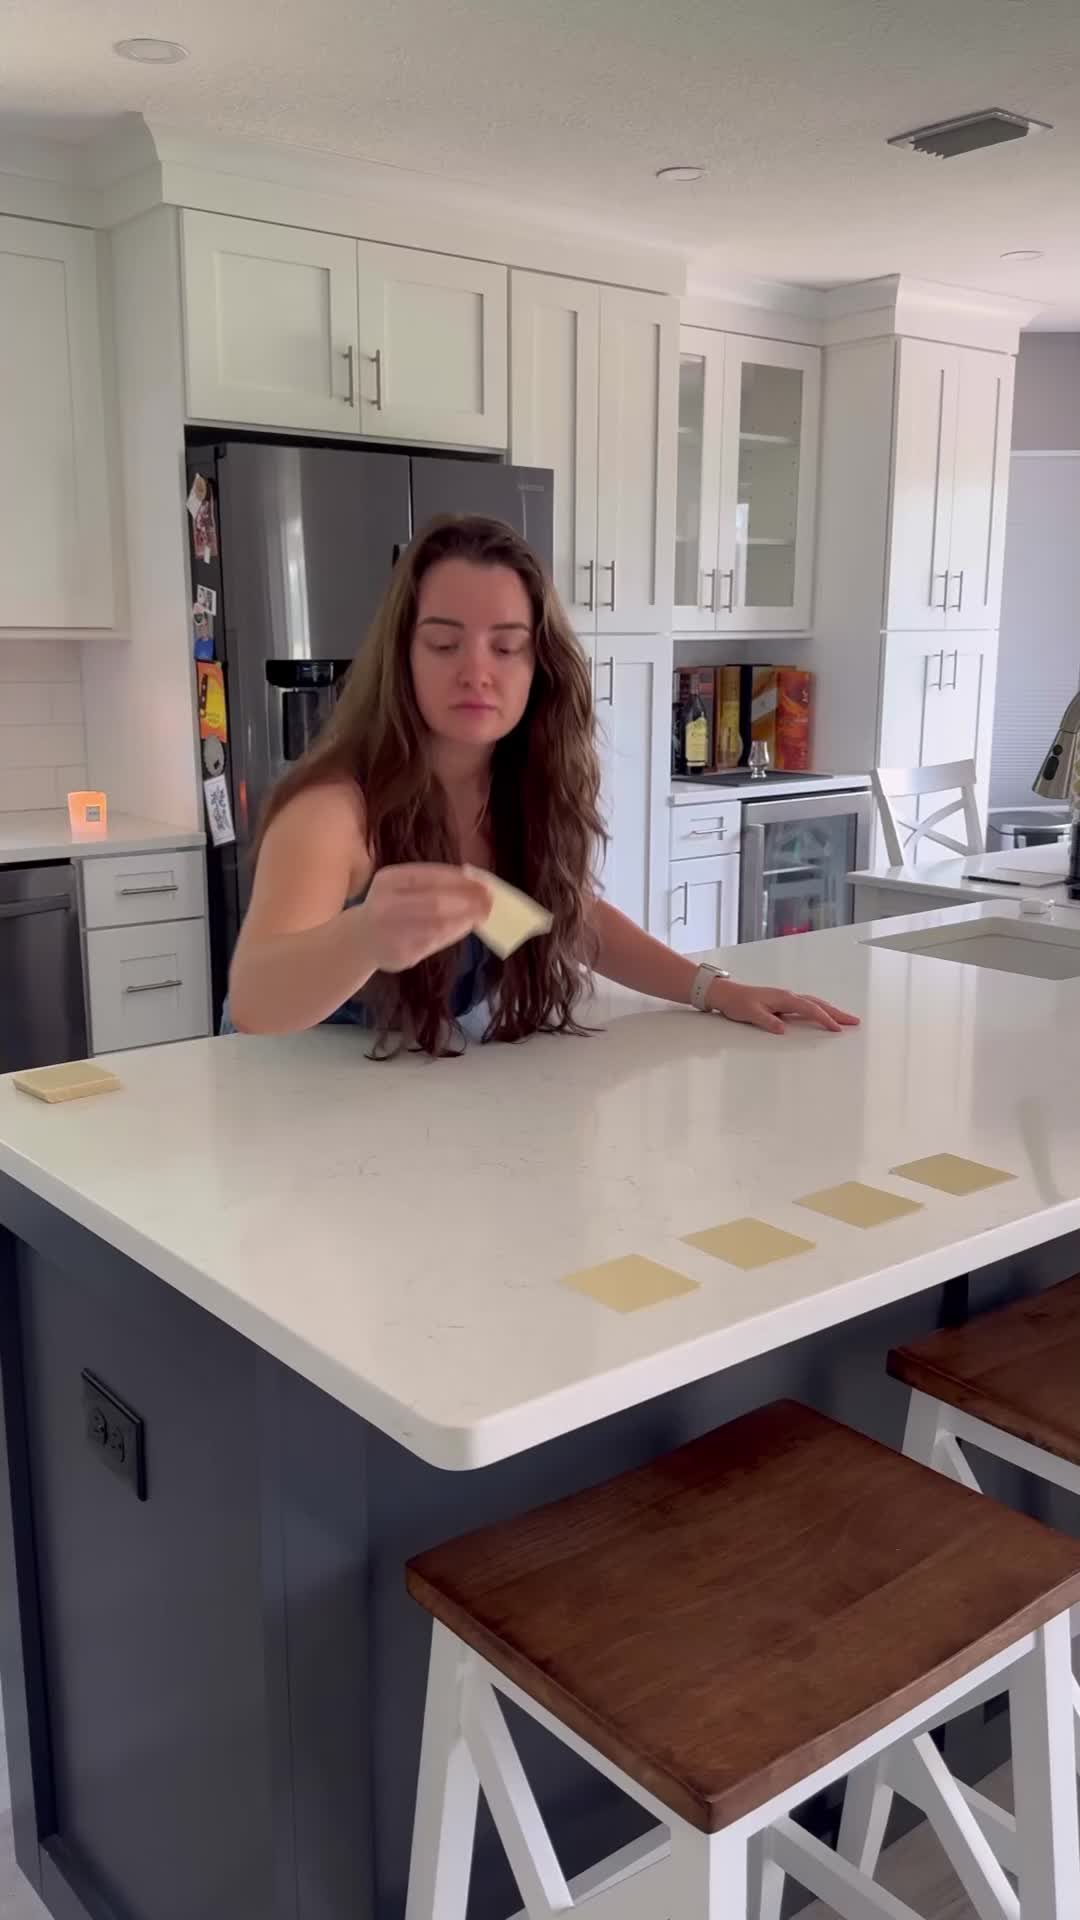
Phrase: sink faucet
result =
(1055, 779)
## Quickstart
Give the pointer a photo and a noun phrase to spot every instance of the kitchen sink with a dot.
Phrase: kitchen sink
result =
(1040, 950)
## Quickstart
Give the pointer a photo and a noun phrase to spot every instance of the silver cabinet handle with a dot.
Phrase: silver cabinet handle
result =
(939, 605)
(350, 370)
(706, 833)
(710, 574)
(610, 604)
(728, 605)
(682, 918)
(955, 671)
(959, 601)
(376, 361)
(125, 893)
(935, 686)
(154, 986)
(607, 699)
(589, 567)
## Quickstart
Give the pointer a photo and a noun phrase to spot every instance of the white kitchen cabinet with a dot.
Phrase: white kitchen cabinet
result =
(270, 324)
(57, 506)
(432, 339)
(594, 398)
(554, 419)
(747, 463)
(147, 952)
(322, 333)
(633, 722)
(703, 904)
(147, 985)
(950, 482)
(938, 707)
(635, 515)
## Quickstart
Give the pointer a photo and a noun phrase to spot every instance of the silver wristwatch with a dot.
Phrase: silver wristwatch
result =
(702, 981)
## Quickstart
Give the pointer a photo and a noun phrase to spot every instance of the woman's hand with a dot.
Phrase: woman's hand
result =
(771, 1007)
(414, 911)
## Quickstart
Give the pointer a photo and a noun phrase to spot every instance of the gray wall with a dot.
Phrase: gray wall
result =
(1039, 656)
(1046, 409)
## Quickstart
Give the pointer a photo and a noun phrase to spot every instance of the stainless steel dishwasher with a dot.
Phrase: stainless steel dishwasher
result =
(42, 998)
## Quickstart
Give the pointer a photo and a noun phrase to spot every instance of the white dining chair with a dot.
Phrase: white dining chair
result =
(956, 778)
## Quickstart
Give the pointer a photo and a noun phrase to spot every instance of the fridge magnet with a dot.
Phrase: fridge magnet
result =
(206, 598)
(200, 505)
(213, 757)
(213, 721)
(202, 633)
(218, 811)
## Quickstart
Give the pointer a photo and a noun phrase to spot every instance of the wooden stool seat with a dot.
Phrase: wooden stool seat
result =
(725, 1621)
(1016, 1367)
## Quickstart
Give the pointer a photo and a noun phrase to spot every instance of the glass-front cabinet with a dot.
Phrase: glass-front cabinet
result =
(748, 423)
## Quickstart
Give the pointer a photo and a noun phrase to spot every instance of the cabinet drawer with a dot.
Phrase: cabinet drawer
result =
(139, 887)
(706, 829)
(147, 984)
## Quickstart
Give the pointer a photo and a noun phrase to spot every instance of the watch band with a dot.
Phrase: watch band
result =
(702, 981)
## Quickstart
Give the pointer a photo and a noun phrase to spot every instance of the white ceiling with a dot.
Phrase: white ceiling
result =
(573, 105)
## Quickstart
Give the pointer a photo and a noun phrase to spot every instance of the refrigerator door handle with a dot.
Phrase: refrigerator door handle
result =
(753, 907)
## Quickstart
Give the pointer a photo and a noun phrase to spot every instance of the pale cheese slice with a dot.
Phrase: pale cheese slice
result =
(74, 1081)
(513, 919)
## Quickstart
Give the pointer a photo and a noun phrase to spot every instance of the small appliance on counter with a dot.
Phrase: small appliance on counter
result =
(292, 547)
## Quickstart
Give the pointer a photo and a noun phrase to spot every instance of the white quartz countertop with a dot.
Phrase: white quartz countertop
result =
(1024, 869)
(689, 791)
(398, 1233)
(26, 837)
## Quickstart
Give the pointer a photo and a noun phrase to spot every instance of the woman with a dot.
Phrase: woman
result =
(464, 736)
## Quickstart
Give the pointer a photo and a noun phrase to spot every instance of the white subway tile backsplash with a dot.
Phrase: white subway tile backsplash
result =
(25, 789)
(28, 660)
(42, 738)
(31, 705)
(65, 702)
(41, 746)
(68, 780)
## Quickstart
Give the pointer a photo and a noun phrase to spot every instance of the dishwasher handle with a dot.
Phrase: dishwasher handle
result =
(49, 903)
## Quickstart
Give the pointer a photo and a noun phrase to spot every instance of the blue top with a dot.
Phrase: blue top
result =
(468, 990)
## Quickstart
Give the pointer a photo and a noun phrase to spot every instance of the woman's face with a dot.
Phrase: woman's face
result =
(472, 653)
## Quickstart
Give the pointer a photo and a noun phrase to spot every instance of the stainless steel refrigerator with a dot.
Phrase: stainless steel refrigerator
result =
(293, 550)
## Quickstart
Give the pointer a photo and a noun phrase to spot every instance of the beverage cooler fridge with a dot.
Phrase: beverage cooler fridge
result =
(796, 855)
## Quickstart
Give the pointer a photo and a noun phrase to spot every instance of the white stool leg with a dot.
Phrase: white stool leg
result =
(867, 1804)
(444, 1826)
(767, 1880)
(1044, 1778)
(709, 1876)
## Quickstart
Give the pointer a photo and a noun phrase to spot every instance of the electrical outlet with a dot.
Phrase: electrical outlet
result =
(115, 1434)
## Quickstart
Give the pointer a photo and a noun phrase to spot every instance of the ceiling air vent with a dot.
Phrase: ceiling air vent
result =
(968, 132)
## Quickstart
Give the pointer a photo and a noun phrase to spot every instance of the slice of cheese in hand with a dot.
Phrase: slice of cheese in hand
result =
(513, 919)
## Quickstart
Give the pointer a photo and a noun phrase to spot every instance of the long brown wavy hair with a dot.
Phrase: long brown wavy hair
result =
(543, 816)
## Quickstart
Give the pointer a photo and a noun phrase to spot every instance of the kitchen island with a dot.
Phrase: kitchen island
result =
(332, 1293)
(1035, 872)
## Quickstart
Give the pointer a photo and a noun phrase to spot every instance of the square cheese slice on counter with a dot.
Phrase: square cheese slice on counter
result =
(858, 1205)
(629, 1284)
(513, 919)
(75, 1081)
(749, 1243)
(951, 1173)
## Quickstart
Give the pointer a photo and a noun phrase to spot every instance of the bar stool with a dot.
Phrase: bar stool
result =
(1008, 1382)
(723, 1633)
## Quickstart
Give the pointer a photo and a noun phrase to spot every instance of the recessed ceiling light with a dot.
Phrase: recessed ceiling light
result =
(675, 174)
(150, 52)
(1023, 253)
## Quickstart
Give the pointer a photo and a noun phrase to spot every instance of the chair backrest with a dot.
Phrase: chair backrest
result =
(914, 783)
